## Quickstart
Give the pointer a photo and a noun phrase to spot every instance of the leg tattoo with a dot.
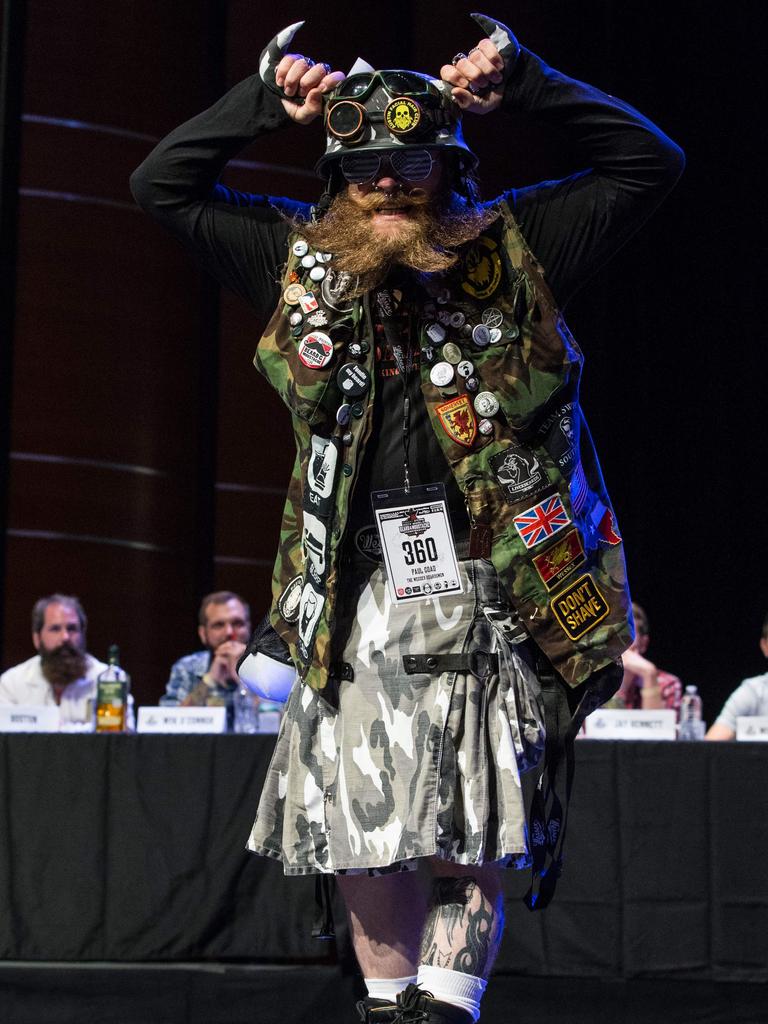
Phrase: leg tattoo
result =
(463, 927)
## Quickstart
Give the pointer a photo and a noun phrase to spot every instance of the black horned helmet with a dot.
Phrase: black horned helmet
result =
(393, 110)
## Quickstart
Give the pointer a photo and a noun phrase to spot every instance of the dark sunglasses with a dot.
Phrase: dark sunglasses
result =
(408, 164)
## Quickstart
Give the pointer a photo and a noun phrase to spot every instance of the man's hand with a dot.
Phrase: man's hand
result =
(223, 666)
(638, 667)
(483, 66)
(300, 77)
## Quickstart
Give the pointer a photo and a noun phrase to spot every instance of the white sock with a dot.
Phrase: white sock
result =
(387, 988)
(462, 990)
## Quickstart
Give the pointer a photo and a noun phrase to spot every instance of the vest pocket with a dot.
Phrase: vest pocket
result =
(302, 388)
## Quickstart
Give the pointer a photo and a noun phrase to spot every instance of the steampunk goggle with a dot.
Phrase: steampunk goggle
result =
(415, 105)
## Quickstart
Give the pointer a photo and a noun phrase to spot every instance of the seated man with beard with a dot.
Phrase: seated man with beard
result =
(61, 672)
(439, 596)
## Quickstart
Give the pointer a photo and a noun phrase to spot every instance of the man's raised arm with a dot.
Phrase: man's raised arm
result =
(237, 236)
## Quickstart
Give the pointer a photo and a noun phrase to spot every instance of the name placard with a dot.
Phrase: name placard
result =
(618, 724)
(182, 720)
(753, 728)
(29, 718)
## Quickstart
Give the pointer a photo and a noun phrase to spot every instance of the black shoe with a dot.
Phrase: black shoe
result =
(415, 1006)
(376, 1011)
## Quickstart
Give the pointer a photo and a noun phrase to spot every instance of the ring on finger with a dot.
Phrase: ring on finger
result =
(475, 49)
(459, 56)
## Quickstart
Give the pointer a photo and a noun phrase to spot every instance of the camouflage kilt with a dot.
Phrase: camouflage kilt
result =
(407, 766)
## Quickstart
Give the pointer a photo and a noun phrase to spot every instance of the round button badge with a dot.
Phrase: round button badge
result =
(452, 353)
(342, 414)
(465, 368)
(481, 335)
(308, 260)
(300, 248)
(317, 273)
(458, 319)
(495, 335)
(315, 350)
(486, 404)
(441, 374)
(493, 317)
(333, 289)
(353, 380)
(293, 293)
(436, 333)
(485, 427)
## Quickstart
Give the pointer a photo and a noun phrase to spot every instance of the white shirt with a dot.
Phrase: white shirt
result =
(26, 684)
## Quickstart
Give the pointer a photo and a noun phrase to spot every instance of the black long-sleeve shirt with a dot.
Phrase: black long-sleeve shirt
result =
(572, 225)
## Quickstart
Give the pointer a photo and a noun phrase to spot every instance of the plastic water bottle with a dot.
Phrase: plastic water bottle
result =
(691, 725)
(246, 717)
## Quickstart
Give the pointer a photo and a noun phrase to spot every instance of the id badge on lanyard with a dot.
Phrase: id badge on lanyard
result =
(417, 542)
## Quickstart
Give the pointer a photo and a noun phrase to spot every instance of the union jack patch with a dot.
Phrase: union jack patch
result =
(457, 418)
(542, 521)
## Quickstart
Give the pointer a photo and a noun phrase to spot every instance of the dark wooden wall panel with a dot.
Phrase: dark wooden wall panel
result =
(112, 325)
(254, 459)
(134, 64)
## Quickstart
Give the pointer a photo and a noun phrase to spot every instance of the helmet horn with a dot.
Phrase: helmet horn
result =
(271, 56)
(502, 38)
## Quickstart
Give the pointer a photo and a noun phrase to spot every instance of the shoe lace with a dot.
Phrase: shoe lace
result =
(410, 1006)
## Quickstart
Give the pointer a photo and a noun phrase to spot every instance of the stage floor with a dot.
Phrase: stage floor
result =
(215, 993)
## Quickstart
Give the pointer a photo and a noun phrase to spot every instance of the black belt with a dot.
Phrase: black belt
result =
(478, 663)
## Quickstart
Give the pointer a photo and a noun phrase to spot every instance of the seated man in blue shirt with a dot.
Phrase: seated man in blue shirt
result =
(209, 677)
(750, 698)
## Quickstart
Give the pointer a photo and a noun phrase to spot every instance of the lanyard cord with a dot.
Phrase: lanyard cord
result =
(404, 366)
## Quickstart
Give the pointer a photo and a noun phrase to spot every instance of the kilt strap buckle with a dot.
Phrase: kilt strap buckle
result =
(481, 664)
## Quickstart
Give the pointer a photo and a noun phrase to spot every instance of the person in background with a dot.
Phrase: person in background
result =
(209, 677)
(749, 698)
(644, 685)
(62, 672)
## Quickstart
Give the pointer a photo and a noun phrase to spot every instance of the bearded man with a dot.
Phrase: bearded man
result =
(61, 672)
(435, 632)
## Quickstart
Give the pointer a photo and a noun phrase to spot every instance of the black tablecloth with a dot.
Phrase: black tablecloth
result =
(131, 848)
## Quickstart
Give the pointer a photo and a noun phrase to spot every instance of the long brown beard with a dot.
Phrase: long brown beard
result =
(426, 242)
(64, 665)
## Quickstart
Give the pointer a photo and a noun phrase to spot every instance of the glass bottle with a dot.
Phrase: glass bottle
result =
(112, 687)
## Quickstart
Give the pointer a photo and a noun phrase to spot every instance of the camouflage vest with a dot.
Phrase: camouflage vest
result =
(532, 479)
